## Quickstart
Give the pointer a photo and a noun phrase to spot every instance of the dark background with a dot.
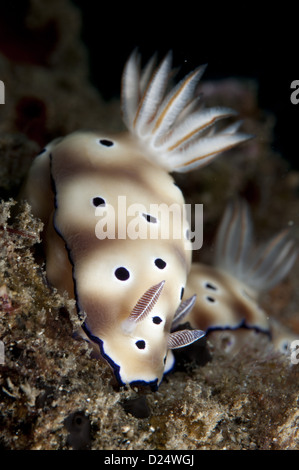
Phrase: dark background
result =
(241, 41)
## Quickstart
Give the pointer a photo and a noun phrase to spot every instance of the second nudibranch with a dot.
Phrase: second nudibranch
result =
(228, 291)
(128, 291)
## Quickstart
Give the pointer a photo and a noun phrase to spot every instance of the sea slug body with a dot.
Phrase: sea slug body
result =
(128, 290)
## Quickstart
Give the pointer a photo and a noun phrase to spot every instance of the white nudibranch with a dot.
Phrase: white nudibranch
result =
(129, 291)
(228, 292)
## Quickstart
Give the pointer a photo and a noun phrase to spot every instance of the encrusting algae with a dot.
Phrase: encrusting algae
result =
(231, 391)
